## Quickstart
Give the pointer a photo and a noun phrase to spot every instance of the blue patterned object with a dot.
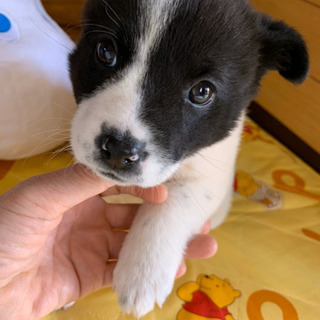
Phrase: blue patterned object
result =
(5, 24)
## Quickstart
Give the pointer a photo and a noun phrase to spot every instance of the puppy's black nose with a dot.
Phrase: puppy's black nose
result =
(122, 153)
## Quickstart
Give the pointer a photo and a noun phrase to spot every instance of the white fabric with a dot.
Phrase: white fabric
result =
(36, 100)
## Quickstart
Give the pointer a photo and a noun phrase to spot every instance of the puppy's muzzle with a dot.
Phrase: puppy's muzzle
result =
(122, 153)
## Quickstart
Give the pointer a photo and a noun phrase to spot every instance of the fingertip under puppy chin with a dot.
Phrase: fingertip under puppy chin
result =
(85, 173)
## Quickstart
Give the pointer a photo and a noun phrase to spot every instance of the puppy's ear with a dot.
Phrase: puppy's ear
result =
(283, 49)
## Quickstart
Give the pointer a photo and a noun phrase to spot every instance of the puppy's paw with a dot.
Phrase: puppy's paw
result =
(141, 285)
(149, 259)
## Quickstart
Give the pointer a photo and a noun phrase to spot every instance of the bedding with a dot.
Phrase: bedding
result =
(268, 263)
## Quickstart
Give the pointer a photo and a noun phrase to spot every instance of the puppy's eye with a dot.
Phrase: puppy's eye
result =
(202, 93)
(107, 53)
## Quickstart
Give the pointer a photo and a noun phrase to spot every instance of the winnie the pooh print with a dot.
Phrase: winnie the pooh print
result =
(207, 298)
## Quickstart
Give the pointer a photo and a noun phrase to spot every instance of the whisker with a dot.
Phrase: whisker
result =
(210, 161)
(48, 138)
(57, 152)
(108, 7)
(53, 132)
(119, 23)
(66, 148)
(70, 27)
(109, 33)
(211, 158)
(116, 15)
(105, 28)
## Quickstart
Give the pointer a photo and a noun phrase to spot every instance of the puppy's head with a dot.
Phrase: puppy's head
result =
(158, 80)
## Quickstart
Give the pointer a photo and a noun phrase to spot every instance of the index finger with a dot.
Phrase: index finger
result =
(55, 192)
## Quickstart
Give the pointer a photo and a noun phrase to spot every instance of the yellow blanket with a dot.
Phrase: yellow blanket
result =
(269, 246)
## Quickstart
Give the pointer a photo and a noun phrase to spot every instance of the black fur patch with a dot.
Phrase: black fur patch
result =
(102, 20)
(215, 41)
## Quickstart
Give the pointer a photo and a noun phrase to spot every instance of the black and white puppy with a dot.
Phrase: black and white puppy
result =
(162, 87)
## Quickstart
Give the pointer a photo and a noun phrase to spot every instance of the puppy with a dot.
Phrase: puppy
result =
(162, 87)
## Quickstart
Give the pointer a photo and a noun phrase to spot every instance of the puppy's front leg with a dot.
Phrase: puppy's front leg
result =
(154, 249)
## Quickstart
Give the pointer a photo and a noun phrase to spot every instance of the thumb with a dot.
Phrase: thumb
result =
(54, 192)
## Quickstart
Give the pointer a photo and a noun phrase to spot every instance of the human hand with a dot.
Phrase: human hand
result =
(200, 247)
(59, 240)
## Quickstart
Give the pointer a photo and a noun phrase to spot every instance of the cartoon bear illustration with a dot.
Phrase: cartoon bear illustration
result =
(207, 298)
